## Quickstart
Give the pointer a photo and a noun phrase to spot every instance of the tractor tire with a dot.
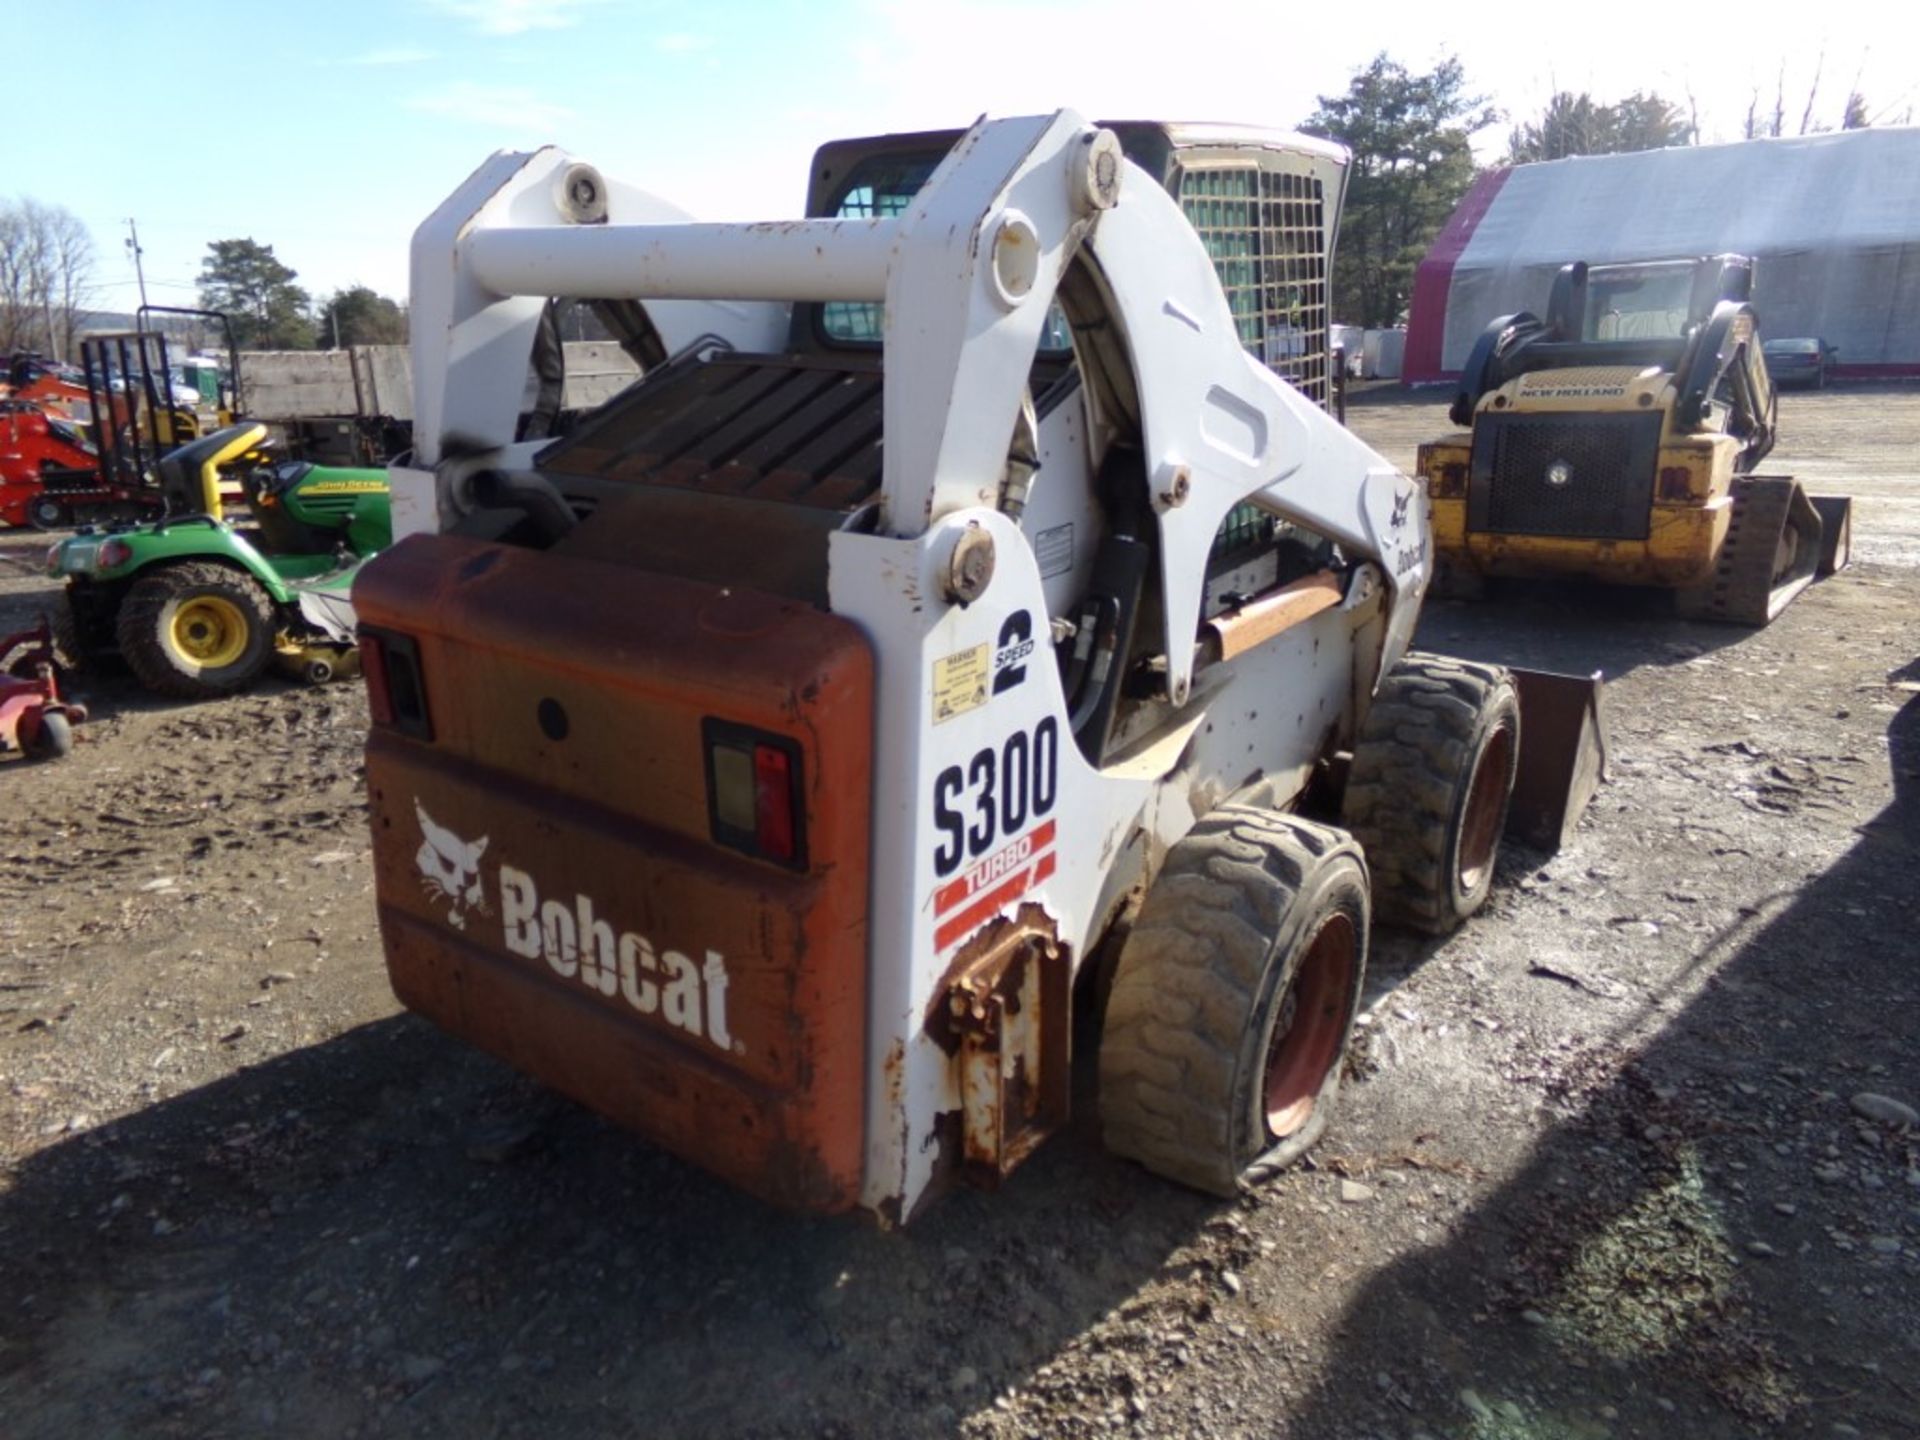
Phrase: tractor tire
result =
(1233, 1000)
(196, 630)
(69, 652)
(46, 513)
(1433, 771)
(53, 740)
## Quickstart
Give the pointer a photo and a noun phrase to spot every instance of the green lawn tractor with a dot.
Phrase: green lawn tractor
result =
(198, 604)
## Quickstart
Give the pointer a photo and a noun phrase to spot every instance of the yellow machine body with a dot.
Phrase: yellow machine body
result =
(1689, 507)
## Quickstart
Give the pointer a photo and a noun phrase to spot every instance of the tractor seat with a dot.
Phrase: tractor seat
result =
(190, 473)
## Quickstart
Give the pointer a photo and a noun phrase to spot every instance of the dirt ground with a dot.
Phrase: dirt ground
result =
(1598, 1173)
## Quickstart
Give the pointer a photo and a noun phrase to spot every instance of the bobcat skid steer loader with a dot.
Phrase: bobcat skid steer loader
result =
(778, 791)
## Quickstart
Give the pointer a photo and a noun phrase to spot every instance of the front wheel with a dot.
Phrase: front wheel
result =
(196, 630)
(1234, 998)
(46, 513)
(53, 739)
(1433, 771)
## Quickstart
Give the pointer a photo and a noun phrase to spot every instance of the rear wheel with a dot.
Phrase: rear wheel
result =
(53, 739)
(1233, 1000)
(46, 513)
(196, 630)
(69, 651)
(1433, 770)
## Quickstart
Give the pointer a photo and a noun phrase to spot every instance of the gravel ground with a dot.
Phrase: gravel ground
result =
(1604, 1167)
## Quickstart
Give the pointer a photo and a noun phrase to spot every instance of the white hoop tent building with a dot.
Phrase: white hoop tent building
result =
(1832, 221)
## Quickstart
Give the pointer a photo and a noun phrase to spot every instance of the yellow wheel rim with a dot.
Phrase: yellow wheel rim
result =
(209, 630)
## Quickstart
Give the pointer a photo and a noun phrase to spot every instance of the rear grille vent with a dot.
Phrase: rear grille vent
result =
(1579, 476)
(799, 431)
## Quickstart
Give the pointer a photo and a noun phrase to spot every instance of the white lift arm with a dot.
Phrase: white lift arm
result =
(966, 276)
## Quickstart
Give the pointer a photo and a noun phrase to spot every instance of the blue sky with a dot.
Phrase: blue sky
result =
(328, 130)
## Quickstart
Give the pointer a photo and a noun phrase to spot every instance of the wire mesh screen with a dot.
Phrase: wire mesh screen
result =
(881, 190)
(1266, 232)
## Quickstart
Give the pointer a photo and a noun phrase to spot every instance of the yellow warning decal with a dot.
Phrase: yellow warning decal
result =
(960, 682)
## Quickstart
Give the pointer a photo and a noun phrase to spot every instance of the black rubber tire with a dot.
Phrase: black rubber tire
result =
(1202, 979)
(69, 653)
(46, 513)
(146, 616)
(1411, 790)
(53, 740)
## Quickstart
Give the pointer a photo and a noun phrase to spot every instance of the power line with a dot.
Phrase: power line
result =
(1887, 110)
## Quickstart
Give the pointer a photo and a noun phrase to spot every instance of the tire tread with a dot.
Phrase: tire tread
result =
(1186, 989)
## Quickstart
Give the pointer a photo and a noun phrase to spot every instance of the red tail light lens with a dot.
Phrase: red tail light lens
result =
(773, 802)
(396, 690)
(373, 665)
(754, 793)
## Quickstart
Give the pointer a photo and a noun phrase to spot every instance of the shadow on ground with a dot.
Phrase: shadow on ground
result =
(389, 1233)
(1710, 1242)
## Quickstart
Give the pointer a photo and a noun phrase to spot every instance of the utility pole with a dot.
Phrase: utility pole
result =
(133, 245)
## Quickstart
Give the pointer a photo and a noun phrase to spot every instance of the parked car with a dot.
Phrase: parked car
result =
(1802, 360)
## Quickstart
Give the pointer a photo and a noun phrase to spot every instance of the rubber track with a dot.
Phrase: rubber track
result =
(1411, 753)
(1186, 986)
(137, 627)
(1742, 589)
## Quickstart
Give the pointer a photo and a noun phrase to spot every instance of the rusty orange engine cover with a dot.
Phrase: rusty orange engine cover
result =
(548, 884)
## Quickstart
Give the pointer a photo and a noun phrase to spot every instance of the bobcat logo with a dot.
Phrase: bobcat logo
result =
(1400, 504)
(450, 868)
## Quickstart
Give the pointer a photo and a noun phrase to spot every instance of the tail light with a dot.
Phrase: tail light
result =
(396, 695)
(113, 554)
(755, 794)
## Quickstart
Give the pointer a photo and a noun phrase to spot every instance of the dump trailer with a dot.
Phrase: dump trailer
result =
(965, 624)
(1618, 440)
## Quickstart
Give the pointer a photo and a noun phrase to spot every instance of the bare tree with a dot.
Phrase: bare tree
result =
(22, 266)
(46, 273)
(70, 278)
(1813, 93)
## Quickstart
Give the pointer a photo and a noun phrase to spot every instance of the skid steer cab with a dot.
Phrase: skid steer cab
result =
(1618, 439)
(958, 624)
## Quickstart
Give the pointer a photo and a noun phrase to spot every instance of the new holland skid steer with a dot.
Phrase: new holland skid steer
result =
(957, 630)
(1617, 439)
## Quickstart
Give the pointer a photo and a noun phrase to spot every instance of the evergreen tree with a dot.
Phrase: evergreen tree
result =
(1412, 162)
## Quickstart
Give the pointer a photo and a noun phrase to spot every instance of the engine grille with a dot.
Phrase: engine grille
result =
(1578, 476)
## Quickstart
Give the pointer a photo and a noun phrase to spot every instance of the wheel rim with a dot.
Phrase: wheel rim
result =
(1310, 1026)
(209, 630)
(1486, 809)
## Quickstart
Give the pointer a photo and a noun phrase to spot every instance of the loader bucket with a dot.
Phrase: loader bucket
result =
(1836, 532)
(1563, 754)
